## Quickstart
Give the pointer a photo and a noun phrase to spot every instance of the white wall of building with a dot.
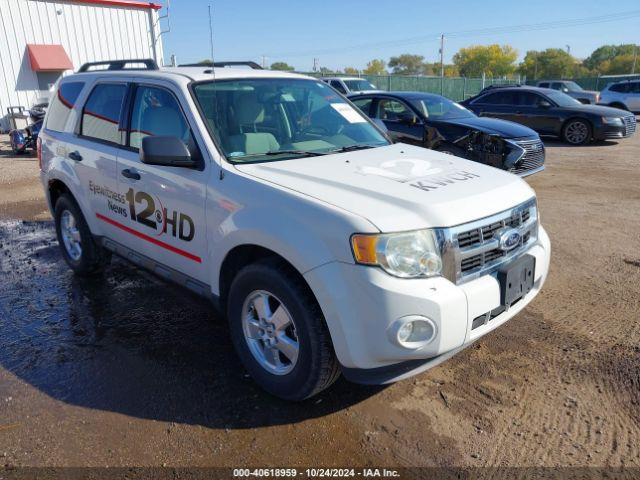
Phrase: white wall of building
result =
(88, 32)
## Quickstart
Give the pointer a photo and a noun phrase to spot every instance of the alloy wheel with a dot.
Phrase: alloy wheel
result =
(70, 235)
(270, 332)
(577, 132)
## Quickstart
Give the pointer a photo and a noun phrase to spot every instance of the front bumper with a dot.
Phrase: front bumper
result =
(362, 305)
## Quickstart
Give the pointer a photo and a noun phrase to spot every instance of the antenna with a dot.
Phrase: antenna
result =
(213, 74)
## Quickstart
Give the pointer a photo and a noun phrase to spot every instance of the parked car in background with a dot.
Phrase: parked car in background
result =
(349, 85)
(550, 112)
(572, 89)
(624, 95)
(434, 122)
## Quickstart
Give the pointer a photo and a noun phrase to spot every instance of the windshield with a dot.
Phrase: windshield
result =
(439, 108)
(256, 120)
(562, 99)
(573, 86)
(359, 85)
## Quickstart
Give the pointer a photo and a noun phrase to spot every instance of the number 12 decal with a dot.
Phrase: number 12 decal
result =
(182, 225)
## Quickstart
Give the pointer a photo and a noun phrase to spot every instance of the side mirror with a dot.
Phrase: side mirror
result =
(544, 104)
(166, 151)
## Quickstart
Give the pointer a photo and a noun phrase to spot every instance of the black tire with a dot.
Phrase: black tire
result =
(577, 132)
(453, 150)
(93, 258)
(316, 367)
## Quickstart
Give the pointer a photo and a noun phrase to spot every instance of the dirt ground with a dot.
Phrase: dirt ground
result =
(126, 370)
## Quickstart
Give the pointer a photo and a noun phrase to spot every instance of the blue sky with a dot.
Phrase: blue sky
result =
(341, 33)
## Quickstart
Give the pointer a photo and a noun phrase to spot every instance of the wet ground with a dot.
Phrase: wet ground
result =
(126, 370)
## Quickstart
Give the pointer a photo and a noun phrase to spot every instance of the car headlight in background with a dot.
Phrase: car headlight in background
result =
(406, 255)
(612, 121)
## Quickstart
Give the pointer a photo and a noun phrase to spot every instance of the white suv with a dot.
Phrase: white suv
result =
(328, 248)
(624, 95)
(350, 85)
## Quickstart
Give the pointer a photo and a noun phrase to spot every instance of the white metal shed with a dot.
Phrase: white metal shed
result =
(40, 40)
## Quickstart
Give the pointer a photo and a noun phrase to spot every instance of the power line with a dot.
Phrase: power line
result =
(490, 31)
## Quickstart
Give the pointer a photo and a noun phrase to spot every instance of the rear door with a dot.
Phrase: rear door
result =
(497, 105)
(94, 150)
(165, 205)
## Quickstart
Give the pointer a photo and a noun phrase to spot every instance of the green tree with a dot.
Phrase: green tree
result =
(326, 71)
(282, 66)
(492, 60)
(376, 67)
(351, 71)
(606, 54)
(407, 64)
(619, 65)
(550, 63)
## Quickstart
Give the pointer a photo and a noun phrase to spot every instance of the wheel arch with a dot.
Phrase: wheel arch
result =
(619, 105)
(588, 121)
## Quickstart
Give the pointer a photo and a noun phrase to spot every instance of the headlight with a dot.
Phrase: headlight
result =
(612, 121)
(407, 255)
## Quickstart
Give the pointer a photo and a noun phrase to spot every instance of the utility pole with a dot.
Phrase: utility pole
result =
(264, 61)
(568, 49)
(442, 64)
(315, 64)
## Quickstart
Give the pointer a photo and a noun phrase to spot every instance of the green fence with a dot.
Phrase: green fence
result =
(455, 88)
(458, 88)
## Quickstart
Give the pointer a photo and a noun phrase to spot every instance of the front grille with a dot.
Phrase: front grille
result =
(629, 125)
(532, 158)
(474, 248)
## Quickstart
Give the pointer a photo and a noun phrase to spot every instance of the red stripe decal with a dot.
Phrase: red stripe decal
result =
(149, 239)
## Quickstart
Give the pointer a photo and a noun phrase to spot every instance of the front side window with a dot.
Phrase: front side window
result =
(62, 104)
(439, 108)
(526, 99)
(256, 120)
(557, 86)
(101, 113)
(157, 112)
(359, 85)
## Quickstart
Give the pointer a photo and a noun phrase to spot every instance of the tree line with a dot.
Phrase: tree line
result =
(502, 60)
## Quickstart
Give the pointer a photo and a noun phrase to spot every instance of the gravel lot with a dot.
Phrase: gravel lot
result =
(126, 370)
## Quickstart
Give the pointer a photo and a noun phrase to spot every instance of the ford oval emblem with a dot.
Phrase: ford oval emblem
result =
(508, 239)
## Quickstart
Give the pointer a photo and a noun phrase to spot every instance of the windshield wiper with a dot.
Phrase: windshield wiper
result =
(352, 148)
(305, 153)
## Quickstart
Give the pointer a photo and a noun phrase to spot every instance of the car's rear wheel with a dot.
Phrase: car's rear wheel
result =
(77, 244)
(577, 132)
(279, 332)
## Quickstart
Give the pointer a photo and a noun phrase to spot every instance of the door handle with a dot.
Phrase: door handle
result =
(75, 156)
(130, 174)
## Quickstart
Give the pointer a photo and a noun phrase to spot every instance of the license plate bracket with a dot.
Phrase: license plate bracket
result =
(516, 279)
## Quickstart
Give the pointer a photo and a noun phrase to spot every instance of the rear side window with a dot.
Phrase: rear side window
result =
(499, 98)
(619, 87)
(62, 104)
(156, 112)
(364, 104)
(338, 86)
(101, 114)
(544, 85)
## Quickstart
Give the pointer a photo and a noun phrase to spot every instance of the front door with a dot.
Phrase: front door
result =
(165, 205)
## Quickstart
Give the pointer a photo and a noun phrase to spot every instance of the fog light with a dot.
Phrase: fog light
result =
(414, 331)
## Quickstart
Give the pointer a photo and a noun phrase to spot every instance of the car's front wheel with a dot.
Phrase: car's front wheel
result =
(279, 332)
(577, 132)
(77, 244)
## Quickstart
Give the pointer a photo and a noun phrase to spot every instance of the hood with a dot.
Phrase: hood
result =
(601, 110)
(494, 126)
(399, 187)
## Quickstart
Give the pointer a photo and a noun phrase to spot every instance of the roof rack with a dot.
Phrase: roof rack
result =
(209, 64)
(148, 63)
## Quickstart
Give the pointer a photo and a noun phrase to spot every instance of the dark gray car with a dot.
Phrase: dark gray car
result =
(572, 89)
